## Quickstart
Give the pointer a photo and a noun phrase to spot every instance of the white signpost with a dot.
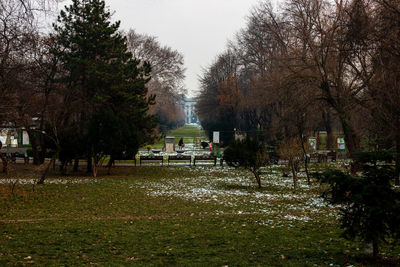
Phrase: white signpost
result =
(3, 139)
(313, 142)
(25, 138)
(216, 137)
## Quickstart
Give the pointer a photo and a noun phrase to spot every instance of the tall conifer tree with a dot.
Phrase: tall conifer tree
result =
(106, 87)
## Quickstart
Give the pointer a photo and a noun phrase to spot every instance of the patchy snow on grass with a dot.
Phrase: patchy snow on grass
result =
(65, 180)
(237, 192)
(296, 218)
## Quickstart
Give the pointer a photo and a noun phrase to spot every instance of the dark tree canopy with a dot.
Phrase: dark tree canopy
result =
(106, 93)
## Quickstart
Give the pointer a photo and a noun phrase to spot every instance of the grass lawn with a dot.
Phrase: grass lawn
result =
(188, 132)
(185, 216)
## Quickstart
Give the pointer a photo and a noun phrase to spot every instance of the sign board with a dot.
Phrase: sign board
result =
(312, 141)
(14, 142)
(3, 139)
(169, 139)
(216, 137)
(25, 138)
(341, 144)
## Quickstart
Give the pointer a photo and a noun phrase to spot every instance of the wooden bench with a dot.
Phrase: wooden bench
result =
(180, 158)
(331, 156)
(283, 161)
(12, 157)
(205, 158)
(317, 158)
(342, 155)
(151, 159)
(124, 162)
(322, 157)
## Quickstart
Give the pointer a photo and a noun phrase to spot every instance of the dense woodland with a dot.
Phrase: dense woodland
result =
(306, 66)
(84, 88)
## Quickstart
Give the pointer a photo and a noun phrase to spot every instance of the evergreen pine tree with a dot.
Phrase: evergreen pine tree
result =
(370, 206)
(106, 88)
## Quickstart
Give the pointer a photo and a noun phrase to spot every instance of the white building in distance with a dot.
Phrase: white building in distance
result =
(188, 106)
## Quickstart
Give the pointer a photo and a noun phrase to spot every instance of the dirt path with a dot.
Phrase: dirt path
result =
(134, 217)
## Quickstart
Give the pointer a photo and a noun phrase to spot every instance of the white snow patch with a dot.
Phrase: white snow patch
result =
(47, 181)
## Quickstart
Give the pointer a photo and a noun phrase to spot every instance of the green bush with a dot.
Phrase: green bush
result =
(369, 205)
(217, 152)
(249, 154)
(204, 144)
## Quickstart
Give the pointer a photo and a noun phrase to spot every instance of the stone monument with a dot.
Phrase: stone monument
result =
(169, 144)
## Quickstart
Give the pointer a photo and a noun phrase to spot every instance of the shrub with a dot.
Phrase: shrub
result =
(249, 154)
(290, 150)
(217, 152)
(204, 144)
(370, 207)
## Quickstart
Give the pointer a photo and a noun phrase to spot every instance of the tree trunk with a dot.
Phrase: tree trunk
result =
(109, 165)
(352, 143)
(54, 165)
(35, 152)
(328, 127)
(5, 163)
(63, 167)
(76, 165)
(375, 249)
(397, 169)
(293, 167)
(305, 159)
(4, 160)
(97, 161)
(94, 169)
(306, 169)
(42, 154)
(89, 167)
(258, 178)
(350, 136)
(46, 171)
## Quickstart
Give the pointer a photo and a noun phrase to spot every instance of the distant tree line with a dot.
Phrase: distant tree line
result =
(86, 89)
(310, 65)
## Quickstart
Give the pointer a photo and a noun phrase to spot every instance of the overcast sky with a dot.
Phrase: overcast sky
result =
(199, 29)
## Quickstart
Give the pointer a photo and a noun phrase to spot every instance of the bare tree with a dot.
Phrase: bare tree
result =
(339, 72)
(19, 78)
(15, 39)
(384, 91)
(167, 76)
(290, 150)
(4, 160)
